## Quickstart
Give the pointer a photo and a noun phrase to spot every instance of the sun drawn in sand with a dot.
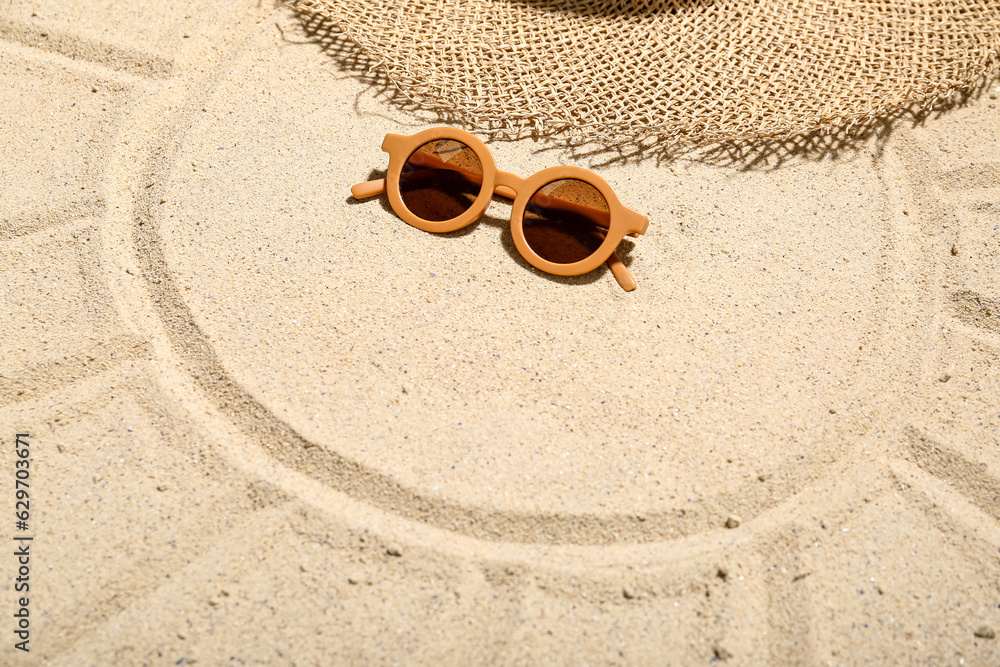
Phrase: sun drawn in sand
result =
(146, 346)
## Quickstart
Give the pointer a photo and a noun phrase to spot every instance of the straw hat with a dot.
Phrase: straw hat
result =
(679, 71)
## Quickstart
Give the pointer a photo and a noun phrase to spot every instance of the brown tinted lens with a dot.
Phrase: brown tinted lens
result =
(566, 221)
(441, 180)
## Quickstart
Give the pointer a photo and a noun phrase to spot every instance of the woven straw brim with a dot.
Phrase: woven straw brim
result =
(680, 72)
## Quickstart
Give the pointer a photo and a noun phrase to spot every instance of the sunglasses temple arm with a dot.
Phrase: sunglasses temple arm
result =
(368, 189)
(621, 273)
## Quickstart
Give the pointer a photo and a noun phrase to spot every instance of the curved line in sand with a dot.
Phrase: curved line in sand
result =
(281, 441)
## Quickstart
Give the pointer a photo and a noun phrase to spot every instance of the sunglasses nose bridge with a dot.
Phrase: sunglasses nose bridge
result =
(507, 184)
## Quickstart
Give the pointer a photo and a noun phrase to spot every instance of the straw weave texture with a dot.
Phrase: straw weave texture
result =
(677, 71)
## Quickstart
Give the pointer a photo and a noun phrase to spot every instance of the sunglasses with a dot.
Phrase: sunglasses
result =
(565, 220)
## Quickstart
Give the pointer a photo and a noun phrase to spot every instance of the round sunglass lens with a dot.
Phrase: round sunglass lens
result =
(566, 221)
(441, 180)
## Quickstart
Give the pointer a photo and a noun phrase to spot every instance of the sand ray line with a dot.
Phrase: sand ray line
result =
(788, 601)
(30, 223)
(976, 310)
(971, 479)
(991, 207)
(259, 524)
(781, 540)
(971, 177)
(113, 57)
(52, 375)
(946, 506)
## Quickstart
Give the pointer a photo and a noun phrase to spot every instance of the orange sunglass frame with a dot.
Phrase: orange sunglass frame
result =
(622, 221)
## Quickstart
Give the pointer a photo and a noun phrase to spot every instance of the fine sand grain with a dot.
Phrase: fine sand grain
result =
(274, 425)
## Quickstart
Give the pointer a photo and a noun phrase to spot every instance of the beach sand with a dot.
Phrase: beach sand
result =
(271, 424)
